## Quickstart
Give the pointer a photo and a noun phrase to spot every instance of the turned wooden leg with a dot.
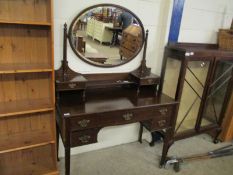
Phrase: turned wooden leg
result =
(168, 141)
(57, 136)
(140, 133)
(67, 160)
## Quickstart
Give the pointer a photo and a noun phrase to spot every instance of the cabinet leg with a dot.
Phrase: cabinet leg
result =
(57, 137)
(168, 141)
(218, 131)
(67, 160)
(140, 133)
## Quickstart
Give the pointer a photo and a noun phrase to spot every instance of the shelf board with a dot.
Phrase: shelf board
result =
(37, 23)
(22, 141)
(52, 173)
(24, 107)
(24, 68)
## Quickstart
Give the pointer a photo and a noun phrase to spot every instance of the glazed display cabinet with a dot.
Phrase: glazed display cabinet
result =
(199, 76)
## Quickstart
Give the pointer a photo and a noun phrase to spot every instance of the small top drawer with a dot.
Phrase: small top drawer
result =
(70, 86)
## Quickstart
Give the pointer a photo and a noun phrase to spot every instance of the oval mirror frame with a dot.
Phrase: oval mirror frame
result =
(105, 5)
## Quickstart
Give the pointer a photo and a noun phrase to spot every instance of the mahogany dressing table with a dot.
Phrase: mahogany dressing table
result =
(86, 103)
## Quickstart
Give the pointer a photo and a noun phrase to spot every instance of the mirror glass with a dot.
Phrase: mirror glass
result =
(106, 35)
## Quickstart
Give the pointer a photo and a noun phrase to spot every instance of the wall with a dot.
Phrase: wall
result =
(155, 15)
(202, 19)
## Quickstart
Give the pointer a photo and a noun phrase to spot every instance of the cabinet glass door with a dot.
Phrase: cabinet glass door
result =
(217, 93)
(172, 72)
(194, 83)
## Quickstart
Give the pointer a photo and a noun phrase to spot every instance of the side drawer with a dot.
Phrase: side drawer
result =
(162, 121)
(84, 137)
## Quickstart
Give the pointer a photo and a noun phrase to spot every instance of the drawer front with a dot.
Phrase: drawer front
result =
(161, 123)
(133, 46)
(70, 86)
(131, 38)
(126, 53)
(149, 81)
(119, 117)
(83, 137)
(157, 124)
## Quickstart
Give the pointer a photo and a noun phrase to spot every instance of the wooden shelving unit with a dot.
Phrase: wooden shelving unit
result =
(27, 118)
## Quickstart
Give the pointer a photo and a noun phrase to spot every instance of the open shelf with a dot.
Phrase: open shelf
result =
(27, 131)
(24, 68)
(35, 161)
(20, 107)
(26, 23)
(25, 141)
(25, 93)
(24, 45)
(25, 10)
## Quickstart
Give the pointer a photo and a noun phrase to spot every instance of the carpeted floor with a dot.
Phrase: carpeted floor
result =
(141, 159)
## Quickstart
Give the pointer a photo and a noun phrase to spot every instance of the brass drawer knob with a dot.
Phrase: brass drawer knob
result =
(150, 81)
(127, 116)
(163, 111)
(84, 138)
(83, 123)
(162, 123)
(72, 85)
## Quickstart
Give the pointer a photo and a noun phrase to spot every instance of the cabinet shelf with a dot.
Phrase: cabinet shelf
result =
(24, 107)
(24, 68)
(21, 141)
(26, 23)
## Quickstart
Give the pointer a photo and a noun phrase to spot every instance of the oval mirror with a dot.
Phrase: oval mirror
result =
(106, 35)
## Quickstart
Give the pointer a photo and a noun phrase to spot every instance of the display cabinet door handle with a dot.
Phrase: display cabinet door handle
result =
(162, 123)
(72, 85)
(84, 138)
(83, 123)
(163, 111)
(128, 116)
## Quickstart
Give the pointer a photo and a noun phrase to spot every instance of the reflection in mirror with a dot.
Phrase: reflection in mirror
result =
(106, 35)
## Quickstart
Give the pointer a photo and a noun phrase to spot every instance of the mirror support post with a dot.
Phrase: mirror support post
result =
(64, 61)
(143, 70)
(142, 75)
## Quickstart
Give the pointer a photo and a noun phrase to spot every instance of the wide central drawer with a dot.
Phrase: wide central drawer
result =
(120, 117)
